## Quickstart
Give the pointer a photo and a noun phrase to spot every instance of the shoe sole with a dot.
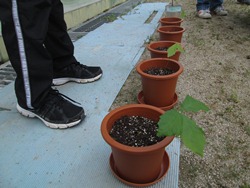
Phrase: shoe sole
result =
(207, 16)
(218, 14)
(61, 81)
(30, 114)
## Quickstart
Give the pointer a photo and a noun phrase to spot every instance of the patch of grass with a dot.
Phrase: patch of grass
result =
(245, 38)
(234, 98)
(111, 18)
(222, 90)
(245, 185)
(246, 73)
(228, 109)
(247, 129)
(232, 174)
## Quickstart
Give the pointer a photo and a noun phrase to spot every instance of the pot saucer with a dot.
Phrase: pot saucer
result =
(140, 99)
(164, 169)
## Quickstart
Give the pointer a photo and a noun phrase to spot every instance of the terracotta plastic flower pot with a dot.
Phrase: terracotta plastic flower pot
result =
(171, 33)
(166, 21)
(136, 166)
(159, 90)
(156, 53)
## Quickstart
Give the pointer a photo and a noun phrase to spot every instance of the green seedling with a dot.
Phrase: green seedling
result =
(175, 123)
(183, 14)
(174, 48)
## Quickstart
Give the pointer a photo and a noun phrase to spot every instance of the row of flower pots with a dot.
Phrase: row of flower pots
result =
(157, 90)
(146, 165)
(170, 29)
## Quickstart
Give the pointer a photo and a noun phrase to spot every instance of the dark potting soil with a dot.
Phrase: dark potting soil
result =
(136, 131)
(159, 71)
(162, 48)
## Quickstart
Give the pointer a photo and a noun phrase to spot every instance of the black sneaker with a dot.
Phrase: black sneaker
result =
(56, 112)
(77, 72)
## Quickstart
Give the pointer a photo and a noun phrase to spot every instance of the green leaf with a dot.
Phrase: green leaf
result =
(193, 105)
(170, 124)
(193, 136)
(183, 14)
(174, 48)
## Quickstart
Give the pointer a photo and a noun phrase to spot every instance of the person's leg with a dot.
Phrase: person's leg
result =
(23, 34)
(202, 5)
(60, 46)
(215, 3)
(57, 40)
(24, 29)
(202, 8)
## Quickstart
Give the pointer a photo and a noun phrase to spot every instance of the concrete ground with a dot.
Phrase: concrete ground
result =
(33, 155)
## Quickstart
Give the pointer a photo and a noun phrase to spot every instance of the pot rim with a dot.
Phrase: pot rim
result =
(175, 20)
(171, 32)
(163, 77)
(105, 134)
(150, 48)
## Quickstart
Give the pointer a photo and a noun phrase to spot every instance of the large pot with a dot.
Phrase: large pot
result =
(159, 90)
(171, 33)
(165, 21)
(136, 165)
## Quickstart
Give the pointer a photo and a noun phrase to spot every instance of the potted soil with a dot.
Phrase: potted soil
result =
(167, 21)
(163, 49)
(159, 78)
(138, 135)
(171, 33)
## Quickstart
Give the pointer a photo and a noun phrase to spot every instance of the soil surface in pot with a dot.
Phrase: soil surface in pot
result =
(135, 131)
(162, 48)
(159, 71)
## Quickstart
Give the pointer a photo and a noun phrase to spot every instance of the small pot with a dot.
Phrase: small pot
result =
(171, 33)
(166, 21)
(135, 165)
(155, 53)
(159, 90)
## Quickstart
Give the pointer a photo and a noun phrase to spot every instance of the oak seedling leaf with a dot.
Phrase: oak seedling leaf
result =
(174, 48)
(192, 105)
(193, 136)
(170, 124)
(175, 123)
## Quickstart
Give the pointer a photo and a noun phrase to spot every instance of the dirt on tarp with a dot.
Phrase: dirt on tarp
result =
(216, 71)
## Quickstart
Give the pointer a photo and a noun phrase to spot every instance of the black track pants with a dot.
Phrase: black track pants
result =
(37, 42)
